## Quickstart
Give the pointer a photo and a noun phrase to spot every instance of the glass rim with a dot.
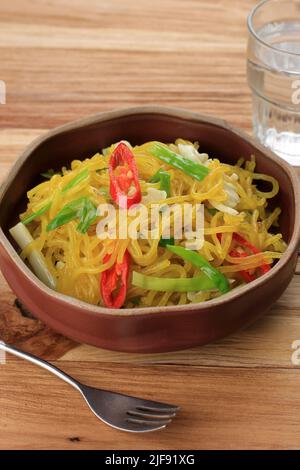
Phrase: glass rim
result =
(257, 37)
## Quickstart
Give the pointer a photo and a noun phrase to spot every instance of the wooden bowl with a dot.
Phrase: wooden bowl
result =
(153, 329)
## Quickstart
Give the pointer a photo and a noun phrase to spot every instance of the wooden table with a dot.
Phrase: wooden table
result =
(64, 60)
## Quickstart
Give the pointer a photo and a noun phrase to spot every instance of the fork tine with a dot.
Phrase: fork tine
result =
(142, 428)
(149, 422)
(157, 407)
(151, 415)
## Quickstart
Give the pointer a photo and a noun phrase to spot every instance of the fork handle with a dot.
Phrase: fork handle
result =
(40, 362)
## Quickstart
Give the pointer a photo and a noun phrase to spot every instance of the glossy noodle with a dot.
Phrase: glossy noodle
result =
(241, 237)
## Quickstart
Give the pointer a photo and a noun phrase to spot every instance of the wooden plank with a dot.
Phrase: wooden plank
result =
(192, 16)
(86, 60)
(75, 95)
(220, 408)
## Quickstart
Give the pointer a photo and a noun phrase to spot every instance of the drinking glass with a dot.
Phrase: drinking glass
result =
(273, 69)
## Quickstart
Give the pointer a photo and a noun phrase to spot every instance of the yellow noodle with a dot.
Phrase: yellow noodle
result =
(76, 260)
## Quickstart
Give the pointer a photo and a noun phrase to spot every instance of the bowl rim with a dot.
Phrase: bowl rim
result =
(140, 311)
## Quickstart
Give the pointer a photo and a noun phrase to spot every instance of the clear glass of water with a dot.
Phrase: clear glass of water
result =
(273, 69)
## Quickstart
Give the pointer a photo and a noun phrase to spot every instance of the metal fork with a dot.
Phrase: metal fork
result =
(115, 409)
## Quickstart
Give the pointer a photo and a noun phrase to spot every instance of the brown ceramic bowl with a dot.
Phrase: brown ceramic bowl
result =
(154, 329)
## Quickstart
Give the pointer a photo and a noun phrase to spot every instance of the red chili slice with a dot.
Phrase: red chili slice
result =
(113, 285)
(265, 267)
(247, 276)
(123, 176)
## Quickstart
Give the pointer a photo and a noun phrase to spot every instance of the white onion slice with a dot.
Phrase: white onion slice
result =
(23, 237)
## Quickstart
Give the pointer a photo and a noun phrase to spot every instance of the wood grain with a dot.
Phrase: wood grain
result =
(220, 408)
(64, 60)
